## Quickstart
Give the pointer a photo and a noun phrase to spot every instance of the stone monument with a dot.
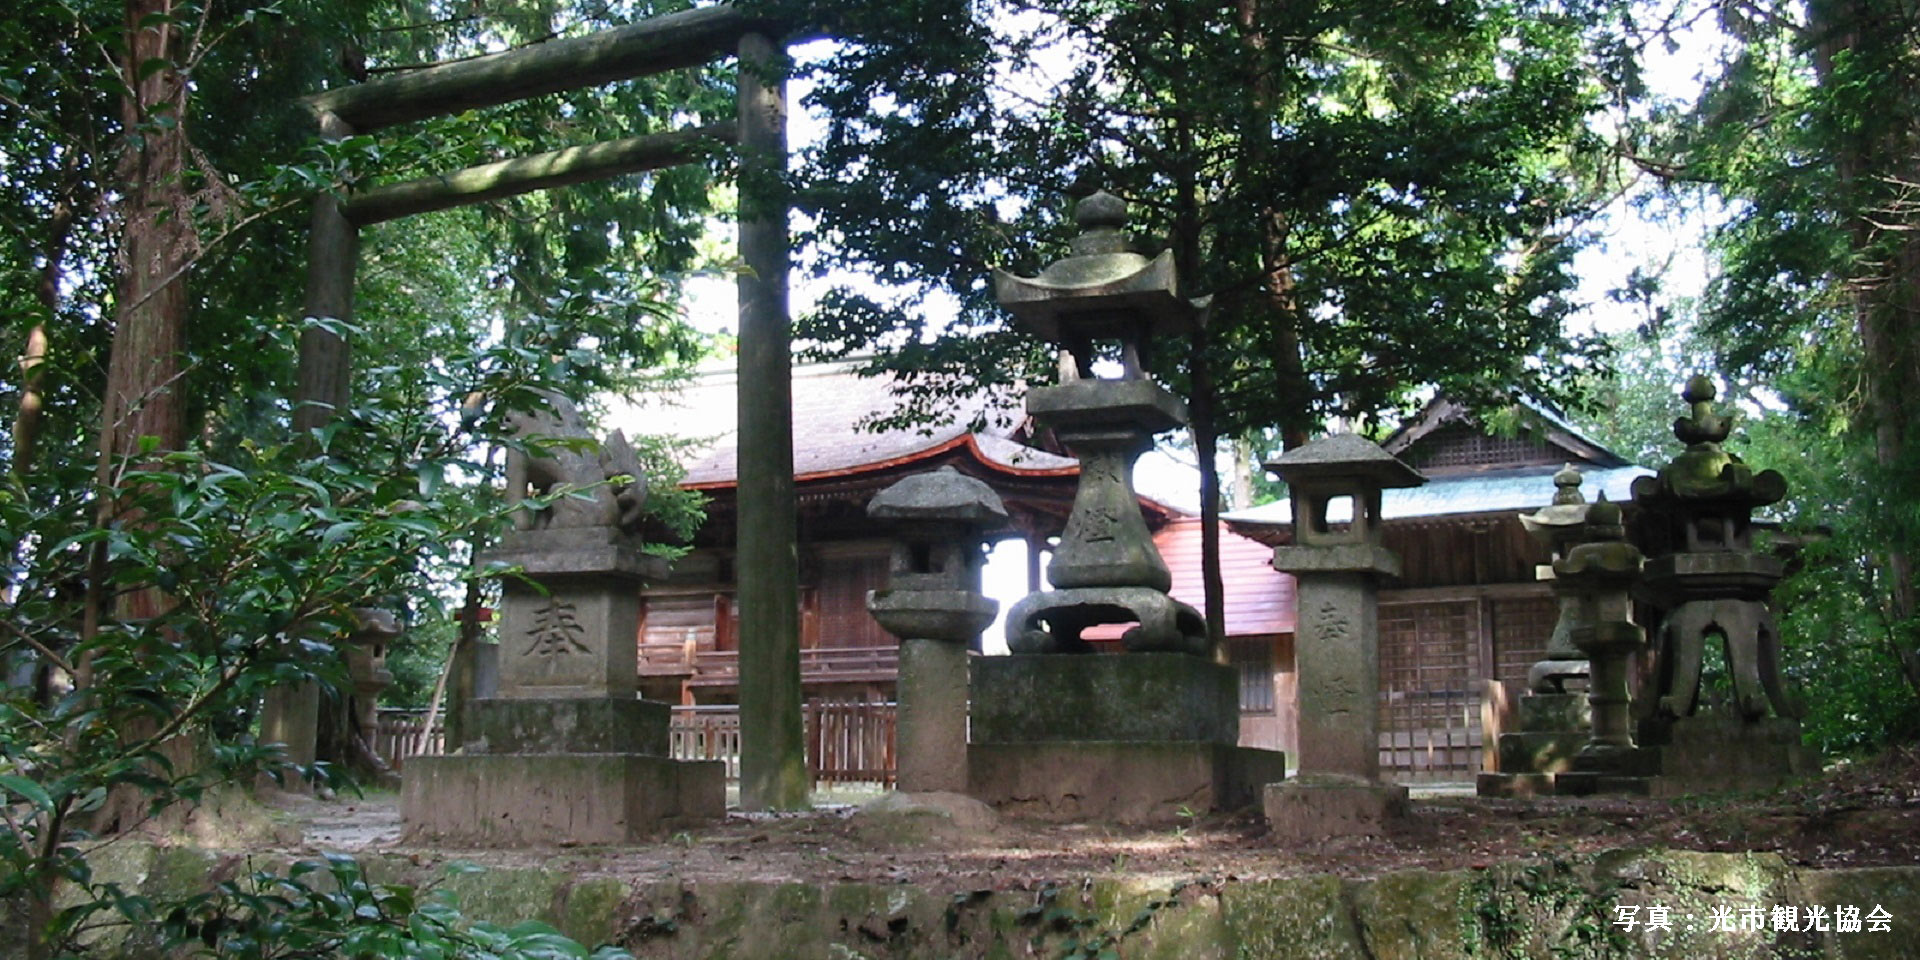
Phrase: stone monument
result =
(934, 605)
(1151, 734)
(1706, 579)
(565, 751)
(1552, 721)
(1338, 568)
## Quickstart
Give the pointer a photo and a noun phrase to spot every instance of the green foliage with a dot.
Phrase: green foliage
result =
(217, 580)
(1376, 202)
(1582, 916)
(154, 599)
(1807, 134)
(329, 908)
(416, 659)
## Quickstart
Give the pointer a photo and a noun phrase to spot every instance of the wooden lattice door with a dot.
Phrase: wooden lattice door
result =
(1430, 690)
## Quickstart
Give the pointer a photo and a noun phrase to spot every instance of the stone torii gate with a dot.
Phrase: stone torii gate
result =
(773, 759)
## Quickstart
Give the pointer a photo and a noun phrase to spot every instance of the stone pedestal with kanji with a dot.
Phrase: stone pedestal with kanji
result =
(565, 751)
(1338, 566)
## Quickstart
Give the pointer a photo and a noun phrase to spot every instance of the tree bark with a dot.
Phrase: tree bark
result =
(773, 758)
(1886, 306)
(26, 421)
(1276, 281)
(558, 168)
(144, 396)
(1203, 425)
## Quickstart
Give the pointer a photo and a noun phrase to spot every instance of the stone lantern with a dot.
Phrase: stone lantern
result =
(934, 605)
(374, 630)
(1143, 736)
(1707, 580)
(1558, 527)
(1106, 568)
(1600, 573)
(1338, 565)
(1552, 724)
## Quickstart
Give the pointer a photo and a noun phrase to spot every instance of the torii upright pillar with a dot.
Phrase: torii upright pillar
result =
(773, 758)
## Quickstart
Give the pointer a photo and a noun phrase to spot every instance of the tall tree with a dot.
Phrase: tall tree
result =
(1810, 127)
(1379, 201)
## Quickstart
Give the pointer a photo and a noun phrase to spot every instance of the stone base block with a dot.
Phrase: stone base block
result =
(1707, 754)
(1316, 807)
(1029, 698)
(1610, 761)
(1554, 713)
(1516, 785)
(569, 725)
(1580, 783)
(1539, 752)
(1119, 782)
(546, 799)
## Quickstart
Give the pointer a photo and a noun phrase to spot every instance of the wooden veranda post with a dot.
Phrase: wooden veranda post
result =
(773, 757)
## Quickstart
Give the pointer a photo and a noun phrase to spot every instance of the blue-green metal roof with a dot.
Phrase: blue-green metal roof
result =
(1521, 490)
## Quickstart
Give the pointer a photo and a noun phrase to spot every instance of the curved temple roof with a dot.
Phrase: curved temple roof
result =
(831, 405)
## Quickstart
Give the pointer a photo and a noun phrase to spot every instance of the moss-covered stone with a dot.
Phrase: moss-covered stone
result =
(1515, 910)
(590, 911)
(1411, 915)
(507, 896)
(1305, 917)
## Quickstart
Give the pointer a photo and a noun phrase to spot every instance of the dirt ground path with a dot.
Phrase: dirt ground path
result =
(1859, 815)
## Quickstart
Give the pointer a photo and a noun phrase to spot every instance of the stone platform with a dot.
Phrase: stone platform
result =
(1712, 754)
(1138, 696)
(1317, 806)
(570, 725)
(542, 799)
(1552, 727)
(1132, 781)
(1127, 738)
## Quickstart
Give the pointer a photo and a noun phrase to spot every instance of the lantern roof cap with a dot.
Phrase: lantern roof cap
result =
(945, 494)
(1104, 289)
(1344, 456)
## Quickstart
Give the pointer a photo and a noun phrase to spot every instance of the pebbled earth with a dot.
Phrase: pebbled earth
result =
(1861, 814)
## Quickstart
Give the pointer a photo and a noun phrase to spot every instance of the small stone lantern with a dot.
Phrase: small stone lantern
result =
(1338, 566)
(1552, 724)
(374, 630)
(934, 605)
(1558, 527)
(1106, 568)
(1600, 573)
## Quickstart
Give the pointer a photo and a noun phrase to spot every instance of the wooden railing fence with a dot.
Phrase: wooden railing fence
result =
(846, 742)
(851, 742)
(707, 733)
(396, 736)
